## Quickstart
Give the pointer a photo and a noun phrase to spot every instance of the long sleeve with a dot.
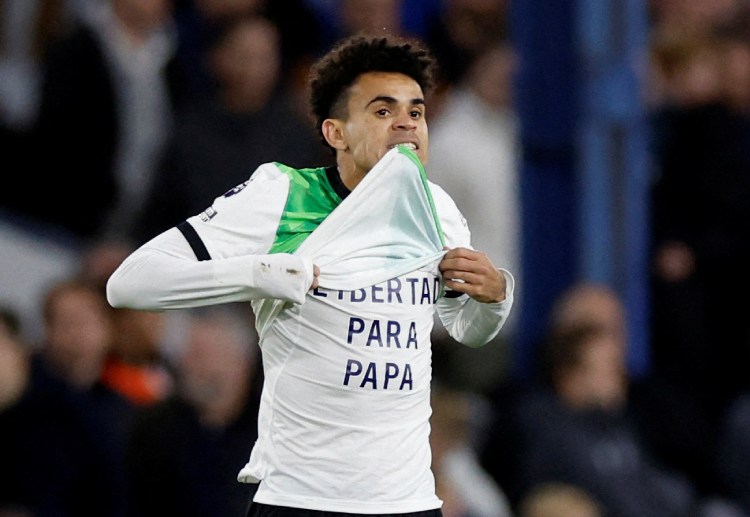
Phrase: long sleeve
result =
(466, 320)
(474, 323)
(165, 274)
(236, 233)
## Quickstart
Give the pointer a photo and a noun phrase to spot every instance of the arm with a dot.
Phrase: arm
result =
(219, 256)
(469, 320)
(480, 295)
(165, 274)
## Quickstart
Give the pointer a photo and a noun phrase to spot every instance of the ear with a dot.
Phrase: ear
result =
(333, 132)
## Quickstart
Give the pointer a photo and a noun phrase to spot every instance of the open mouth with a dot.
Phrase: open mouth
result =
(408, 145)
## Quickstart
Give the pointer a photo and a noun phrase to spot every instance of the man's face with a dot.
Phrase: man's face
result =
(384, 109)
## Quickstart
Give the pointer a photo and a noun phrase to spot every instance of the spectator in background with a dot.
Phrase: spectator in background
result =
(185, 452)
(701, 220)
(220, 140)
(138, 363)
(61, 432)
(584, 420)
(672, 426)
(26, 29)
(107, 97)
(77, 337)
(199, 22)
(579, 431)
(137, 366)
(77, 333)
(635, 431)
(476, 132)
(462, 31)
(590, 303)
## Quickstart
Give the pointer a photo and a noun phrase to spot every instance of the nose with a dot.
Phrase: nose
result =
(404, 122)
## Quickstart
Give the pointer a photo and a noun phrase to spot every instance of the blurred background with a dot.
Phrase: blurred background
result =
(599, 149)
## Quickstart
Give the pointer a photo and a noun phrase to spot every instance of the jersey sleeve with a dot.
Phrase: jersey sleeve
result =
(244, 220)
(218, 256)
(467, 321)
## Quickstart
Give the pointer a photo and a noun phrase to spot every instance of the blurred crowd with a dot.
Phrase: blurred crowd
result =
(121, 118)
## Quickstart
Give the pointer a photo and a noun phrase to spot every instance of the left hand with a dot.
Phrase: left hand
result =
(481, 279)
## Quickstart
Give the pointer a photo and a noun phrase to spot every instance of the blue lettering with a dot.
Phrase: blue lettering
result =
(394, 288)
(383, 333)
(353, 368)
(375, 291)
(355, 329)
(358, 296)
(371, 377)
(425, 292)
(318, 292)
(407, 379)
(391, 372)
(394, 327)
(374, 334)
(412, 335)
(413, 282)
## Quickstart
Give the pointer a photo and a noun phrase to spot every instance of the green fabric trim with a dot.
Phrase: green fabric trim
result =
(413, 157)
(311, 198)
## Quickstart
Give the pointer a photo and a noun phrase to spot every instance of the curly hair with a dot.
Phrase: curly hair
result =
(333, 74)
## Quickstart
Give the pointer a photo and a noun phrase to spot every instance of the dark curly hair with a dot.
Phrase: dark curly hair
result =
(333, 74)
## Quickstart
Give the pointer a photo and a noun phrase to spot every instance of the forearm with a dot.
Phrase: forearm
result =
(164, 274)
(474, 323)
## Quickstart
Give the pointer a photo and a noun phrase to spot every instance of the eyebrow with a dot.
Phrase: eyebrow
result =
(391, 100)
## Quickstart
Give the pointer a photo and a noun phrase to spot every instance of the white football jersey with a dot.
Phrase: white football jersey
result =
(345, 408)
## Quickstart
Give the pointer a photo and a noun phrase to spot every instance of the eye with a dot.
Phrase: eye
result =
(416, 114)
(383, 112)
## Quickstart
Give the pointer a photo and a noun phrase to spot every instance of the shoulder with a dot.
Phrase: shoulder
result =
(304, 177)
(265, 180)
(245, 218)
(275, 178)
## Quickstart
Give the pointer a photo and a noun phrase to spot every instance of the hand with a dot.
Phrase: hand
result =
(316, 274)
(479, 278)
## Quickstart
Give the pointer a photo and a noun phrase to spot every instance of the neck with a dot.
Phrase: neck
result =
(350, 174)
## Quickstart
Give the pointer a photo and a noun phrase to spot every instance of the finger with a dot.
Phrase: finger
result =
(452, 261)
(465, 276)
(479, 292)
(457, 253)
(316, 275)
(461, 264)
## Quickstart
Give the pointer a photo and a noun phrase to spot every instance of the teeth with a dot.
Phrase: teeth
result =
(407, 145)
